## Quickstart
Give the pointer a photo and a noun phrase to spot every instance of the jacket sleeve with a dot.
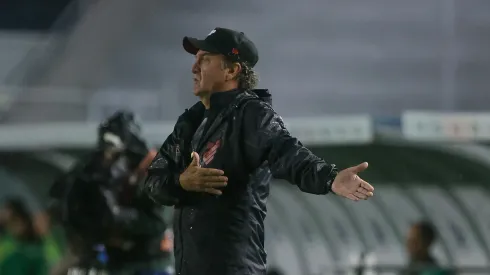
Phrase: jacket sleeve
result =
(267, 139)
(162, 183)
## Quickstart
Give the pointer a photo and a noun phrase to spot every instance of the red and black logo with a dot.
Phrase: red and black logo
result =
(211, 149)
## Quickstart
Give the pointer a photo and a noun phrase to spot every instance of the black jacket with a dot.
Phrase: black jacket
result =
(224, 235)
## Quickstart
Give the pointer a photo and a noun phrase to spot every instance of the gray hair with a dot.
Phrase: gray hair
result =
(247, 78)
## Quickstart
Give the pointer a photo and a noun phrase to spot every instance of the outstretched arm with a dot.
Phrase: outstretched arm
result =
(267, 139)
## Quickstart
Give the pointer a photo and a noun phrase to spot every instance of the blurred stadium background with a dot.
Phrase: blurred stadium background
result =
(401, 84)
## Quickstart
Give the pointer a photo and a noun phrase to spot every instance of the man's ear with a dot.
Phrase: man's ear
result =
(233, 70)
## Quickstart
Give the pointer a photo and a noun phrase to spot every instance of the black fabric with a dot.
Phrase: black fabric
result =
(235, 45)
(224, 235)
(201, 130)
(97, 210)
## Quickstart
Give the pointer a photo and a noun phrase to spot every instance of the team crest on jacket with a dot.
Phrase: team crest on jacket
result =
(211, 149)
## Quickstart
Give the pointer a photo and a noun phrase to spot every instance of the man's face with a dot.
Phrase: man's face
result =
(208, 72)
(5, 215)
(415, 244)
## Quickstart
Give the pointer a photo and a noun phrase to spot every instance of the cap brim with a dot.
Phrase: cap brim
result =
(193, 45)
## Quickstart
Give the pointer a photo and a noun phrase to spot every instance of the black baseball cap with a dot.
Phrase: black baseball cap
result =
(232, 44)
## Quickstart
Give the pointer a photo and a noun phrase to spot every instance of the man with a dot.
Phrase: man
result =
(102, 204)
(21, 249)
(420, 238)
(237, 143)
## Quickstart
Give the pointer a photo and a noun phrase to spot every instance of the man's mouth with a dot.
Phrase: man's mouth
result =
(196, 83)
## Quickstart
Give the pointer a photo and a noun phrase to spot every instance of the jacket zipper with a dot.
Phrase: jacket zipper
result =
(178, 152)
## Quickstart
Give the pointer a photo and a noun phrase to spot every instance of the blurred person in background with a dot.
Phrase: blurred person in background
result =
(49, 228)
(420, 239)
(217, 164)
(109, 224)
(21, 249)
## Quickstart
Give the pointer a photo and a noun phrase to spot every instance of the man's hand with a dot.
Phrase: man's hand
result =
(348, 184)
(199, 179)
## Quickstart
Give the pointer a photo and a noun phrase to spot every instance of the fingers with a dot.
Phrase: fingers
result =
(364, 191)
(352, 197)
(359, 168)
(356, 188)
(195, 159)
(360, 195)
(367, 186)
(208, 179)
(215, 179)
(215, 184)
(211, 172)
(213, 191)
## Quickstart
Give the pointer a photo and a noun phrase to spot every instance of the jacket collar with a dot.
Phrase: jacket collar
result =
(224, 103)
(221, 100)
(263, 94)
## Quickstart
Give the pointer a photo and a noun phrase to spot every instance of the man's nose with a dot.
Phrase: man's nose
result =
(195, 68)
